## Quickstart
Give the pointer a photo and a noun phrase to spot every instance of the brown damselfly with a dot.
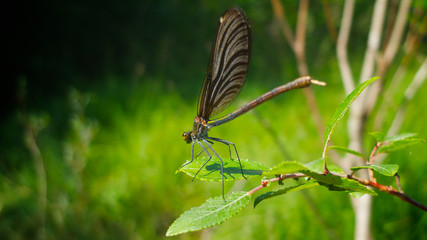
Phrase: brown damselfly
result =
(224, 79)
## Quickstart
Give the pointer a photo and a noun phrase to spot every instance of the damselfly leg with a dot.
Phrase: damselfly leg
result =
(222, 166)
(211, 143)
(192, 154)
(228, 143)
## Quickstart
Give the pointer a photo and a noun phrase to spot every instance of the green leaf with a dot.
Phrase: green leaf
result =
(214, 211)
(341, 110)
(399, 144)
(212, 170)
(316, 166)
(314, 170)
(284, 191)
(336, 183)
(378, 136)
(347, 150)
(384, 169)
(285, 168)
(356, 194)
(401, 136)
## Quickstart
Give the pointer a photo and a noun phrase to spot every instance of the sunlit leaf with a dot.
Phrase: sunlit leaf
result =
(336, 183)
(401, 136)
(212, 170)
(295, 167)
(378, 136)
(341, 110)
(384, 169)
(347, 150)
(395, 145)
(285, 168)
(214, 211)
(314, 170)
(279, 192)
(316, 166)
(356, 194)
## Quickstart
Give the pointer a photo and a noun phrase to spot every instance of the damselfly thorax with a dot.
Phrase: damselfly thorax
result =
(200, 130)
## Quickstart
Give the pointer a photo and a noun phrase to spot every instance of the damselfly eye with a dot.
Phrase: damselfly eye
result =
(186, 136)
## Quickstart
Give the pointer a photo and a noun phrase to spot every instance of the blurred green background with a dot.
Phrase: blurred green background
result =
(98, 93)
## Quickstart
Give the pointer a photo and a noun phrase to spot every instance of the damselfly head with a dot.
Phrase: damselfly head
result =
(186, 136)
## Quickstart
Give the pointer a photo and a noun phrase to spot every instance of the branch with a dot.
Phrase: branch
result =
(419, 78)
(389, 190)
(300, 38)
(374, 39)
(356, 120)
(380, 187)
(329, 20)
(264, 183)
(342, 42)
(283, 22)
(396, 36)
(389, 53)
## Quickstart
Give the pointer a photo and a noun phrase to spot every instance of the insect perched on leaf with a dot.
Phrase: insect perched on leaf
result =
(224, 79)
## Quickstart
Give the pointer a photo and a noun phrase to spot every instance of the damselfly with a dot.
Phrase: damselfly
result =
(224, 79)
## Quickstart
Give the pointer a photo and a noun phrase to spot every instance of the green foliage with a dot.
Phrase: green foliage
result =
(285, 168)
(399, 142)
(214, 211)
(285, 190)
(347, 150)
(384, 169)
(212, 170)
(336, 183)
(378, 136)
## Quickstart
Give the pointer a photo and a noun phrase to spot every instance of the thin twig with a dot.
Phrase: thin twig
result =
(373, 156)
(264, 183)
(397, 177)
(279, 12)
(387, 189)
(299, 44)
(329, 20)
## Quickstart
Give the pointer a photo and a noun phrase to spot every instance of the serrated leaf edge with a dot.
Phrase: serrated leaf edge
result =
(214, 222)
